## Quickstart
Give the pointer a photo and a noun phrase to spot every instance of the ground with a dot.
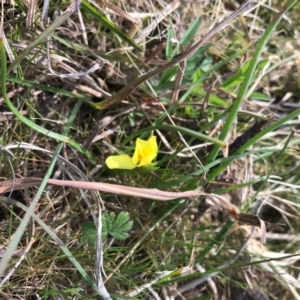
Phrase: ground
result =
(84, 81)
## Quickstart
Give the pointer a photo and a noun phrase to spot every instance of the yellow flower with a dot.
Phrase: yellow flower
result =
(145, 152)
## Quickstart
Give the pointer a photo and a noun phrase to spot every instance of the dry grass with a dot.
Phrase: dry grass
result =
(182, 249)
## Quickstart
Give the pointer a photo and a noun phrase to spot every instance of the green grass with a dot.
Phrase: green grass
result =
(197, 97)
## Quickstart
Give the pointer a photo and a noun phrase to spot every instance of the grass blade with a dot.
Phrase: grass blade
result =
(102, 19)
(246, 83)
(46, 33)
(28, 122)
(20, 231)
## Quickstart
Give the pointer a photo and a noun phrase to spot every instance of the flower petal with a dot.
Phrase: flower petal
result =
(153, 143)
(138, 152)
(145, 151)
(120, 162)
(146, 160)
